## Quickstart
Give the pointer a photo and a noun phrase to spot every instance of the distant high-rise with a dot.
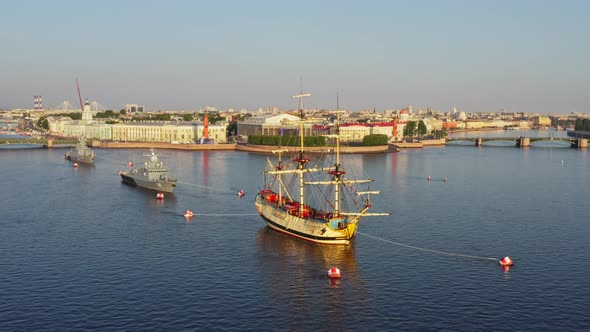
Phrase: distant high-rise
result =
(38, 103)
(133, 108)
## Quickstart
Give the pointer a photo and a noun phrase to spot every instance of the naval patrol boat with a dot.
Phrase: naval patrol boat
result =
(153, 175)
(81, 153)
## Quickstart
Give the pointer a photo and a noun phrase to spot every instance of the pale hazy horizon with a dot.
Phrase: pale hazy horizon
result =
(521, 56)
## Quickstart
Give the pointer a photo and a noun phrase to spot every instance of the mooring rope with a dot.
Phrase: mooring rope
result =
(225, 214)
(201, 186)
(429, 250)
(324, 254)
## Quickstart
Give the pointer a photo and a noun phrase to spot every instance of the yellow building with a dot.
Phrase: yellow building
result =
(354, 131)
(541, 121)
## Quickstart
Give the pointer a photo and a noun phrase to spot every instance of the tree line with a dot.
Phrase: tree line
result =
(414, 128)
(582, 124)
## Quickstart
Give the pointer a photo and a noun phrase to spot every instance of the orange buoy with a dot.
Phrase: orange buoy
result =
(188, 214)
(160, 196)
(334, 272)
(506, 261)
(75, 165)
(130, 164)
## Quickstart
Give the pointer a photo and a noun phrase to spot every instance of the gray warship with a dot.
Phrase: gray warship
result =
(81, 153)
(154, 175)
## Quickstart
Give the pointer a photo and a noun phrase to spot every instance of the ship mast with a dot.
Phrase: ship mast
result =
(337, 173)
(301, 160)
(279, 167)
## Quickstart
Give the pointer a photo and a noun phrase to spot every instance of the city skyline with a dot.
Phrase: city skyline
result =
(526, 56)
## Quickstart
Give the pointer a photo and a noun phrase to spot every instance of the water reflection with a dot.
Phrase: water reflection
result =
(296, 272)
(82, 168)
(506, 272)
(206, 168)
(393, 158)
(150, 195)
(298, 258)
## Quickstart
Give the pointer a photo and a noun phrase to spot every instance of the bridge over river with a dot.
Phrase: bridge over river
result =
(523, 142)
(45, 142)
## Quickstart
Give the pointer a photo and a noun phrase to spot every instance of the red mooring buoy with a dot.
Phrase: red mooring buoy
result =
(334, 272)
(75, 165)
(160, 196)
(241, 193)
(506, 261)
(188, 214)
(130, 164)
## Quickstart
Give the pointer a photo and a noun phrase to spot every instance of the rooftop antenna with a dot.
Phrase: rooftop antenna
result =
(79, 95)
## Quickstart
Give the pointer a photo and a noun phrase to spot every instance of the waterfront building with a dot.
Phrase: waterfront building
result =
(404, 115)
(57, 123)
(168, 132)
(152, 132)
(354, 131)
(382, 128)
(475, 124)
(322, 130)
(281, 124)
(432, 123)
(87, 126)
(218, 133)
(450, 125)
(402, 121)
(461, 116)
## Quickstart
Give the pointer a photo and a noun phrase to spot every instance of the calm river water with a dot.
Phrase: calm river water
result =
(79, 250)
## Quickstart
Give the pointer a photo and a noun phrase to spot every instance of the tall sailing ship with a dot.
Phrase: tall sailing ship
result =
(314, 203)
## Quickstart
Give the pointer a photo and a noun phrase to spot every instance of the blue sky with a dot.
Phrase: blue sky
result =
(529, 56)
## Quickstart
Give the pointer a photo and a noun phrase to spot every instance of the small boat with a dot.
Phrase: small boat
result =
(153, 175)
(314, 203)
